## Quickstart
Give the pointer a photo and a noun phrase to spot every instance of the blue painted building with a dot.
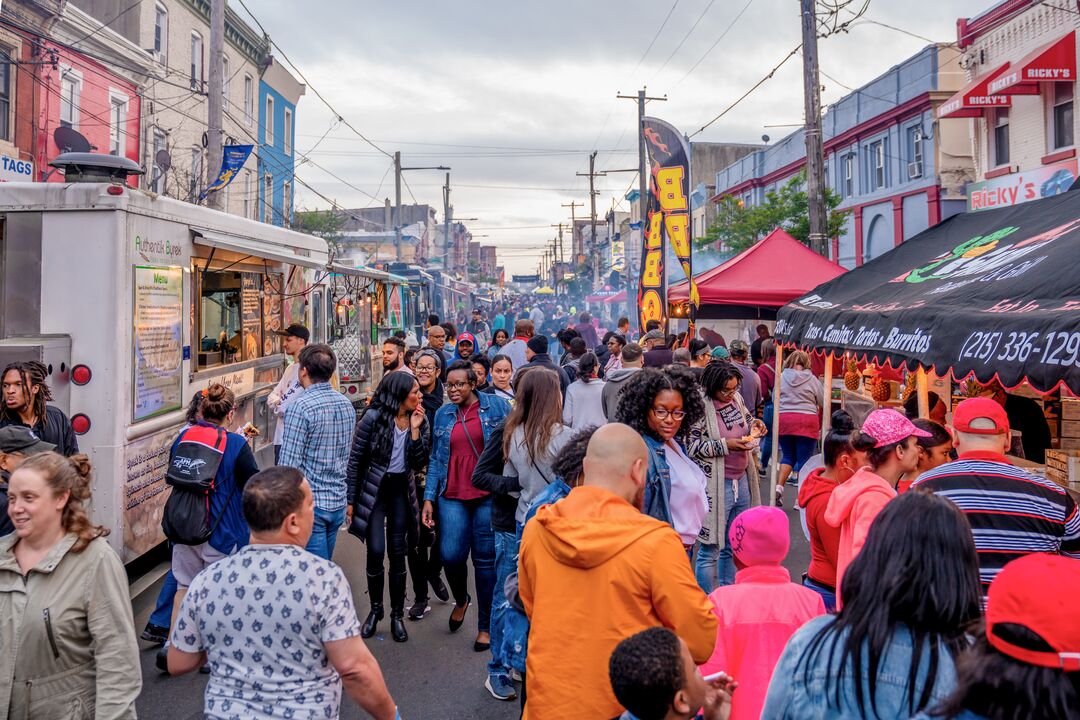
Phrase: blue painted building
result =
(897, 169)
(279, 92)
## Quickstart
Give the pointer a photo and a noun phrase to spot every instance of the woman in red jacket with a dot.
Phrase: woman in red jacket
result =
(844, 453)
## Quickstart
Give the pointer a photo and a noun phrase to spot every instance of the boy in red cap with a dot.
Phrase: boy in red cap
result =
(1012, 512)
(854, 504)
(1027, 665)
(761, 611)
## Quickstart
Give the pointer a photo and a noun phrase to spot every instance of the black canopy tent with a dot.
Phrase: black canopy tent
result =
(994, 293)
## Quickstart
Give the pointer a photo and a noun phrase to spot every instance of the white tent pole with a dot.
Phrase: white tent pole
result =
(826, 401)
(774, 467)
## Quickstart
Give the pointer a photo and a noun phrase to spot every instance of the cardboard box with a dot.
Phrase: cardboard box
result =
(1070, 409)
(1063, 467)
(1070, 443)
(1070, 428)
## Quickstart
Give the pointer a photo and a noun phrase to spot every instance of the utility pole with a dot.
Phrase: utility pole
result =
(397, 205)
(573, 222)
(215, 101)
(643, 187)
(815, 159)
(593, 250)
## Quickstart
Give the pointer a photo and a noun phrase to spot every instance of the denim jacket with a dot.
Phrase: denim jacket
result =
(493, 410)
(791, 696)
(657, 481)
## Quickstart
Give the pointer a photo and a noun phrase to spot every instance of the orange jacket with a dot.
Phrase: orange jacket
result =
(593, 570)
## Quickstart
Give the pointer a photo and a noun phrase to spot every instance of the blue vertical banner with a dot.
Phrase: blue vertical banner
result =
(233, 158)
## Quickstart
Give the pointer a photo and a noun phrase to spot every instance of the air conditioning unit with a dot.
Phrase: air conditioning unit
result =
(914, 170)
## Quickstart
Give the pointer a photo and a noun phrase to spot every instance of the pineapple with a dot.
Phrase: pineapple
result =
(909, 386)
(852, 377)
(880, 389)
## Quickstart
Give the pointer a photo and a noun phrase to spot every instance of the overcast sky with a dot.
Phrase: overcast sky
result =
(514, 96)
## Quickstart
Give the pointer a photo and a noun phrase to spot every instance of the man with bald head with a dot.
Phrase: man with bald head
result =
(594, 570)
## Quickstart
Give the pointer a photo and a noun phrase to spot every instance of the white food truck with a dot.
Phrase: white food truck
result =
(135, 302)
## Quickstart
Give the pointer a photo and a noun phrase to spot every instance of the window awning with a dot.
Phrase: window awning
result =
(1053, 62)
(252, 247)
(975, 98)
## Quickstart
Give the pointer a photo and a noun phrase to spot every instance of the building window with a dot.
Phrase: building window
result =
(117, 123)
(286, 131)
(268, 198)
(1063, 115)
(248, 201)
(286, 203)
(225, 75)
(249, 99)
(196, 172)
(1001, 137)
(268, 123)
(196, 62)
(157, 176)
(5, 94)
(70, 89)
(161, 32)
(848, 187)
(915, 152)
(877, 165)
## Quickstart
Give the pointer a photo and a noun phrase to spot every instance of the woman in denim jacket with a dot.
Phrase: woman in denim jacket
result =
(662, 405)
(911, 596)
(462, 427)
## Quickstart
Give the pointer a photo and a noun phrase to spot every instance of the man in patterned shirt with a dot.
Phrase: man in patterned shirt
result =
(318, 437)
(276, 623)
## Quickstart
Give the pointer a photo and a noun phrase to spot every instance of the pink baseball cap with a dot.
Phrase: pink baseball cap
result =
(760, 536)
(888, 426)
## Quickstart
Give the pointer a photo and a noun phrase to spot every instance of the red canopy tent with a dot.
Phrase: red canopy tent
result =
(759, 280)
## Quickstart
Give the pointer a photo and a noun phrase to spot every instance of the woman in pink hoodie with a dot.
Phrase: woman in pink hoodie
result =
(759, 613)
(854, 504)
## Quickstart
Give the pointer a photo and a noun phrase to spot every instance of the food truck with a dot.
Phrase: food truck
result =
(135, 302)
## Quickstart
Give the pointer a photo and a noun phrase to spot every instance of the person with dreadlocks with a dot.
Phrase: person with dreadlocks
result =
(25, 396)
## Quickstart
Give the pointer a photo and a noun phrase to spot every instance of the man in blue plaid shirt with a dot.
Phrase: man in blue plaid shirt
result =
(318, 436)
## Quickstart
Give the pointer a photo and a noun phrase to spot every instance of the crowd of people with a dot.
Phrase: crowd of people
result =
(605, 491)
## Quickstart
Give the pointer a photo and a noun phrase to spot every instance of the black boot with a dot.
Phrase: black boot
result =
(397, 607)
(375, 595)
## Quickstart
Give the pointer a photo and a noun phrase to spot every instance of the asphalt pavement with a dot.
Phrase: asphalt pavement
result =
(435, 674)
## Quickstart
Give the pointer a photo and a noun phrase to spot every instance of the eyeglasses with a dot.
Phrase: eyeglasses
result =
(425, 368)
(725, 392)
(457, 386)
(663, 413)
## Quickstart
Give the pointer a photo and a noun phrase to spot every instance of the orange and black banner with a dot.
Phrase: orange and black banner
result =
(667, 220)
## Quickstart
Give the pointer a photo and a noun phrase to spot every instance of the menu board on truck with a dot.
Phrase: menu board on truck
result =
(272, 303)
(158, 342)
(145, 463)
(250, 315)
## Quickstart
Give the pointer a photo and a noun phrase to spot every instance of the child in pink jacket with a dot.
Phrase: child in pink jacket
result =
(761, 611)
(854, 504)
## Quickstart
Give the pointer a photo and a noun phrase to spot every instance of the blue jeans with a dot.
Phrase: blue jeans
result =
(705, 566)
(766, 443)
(828, 595)
(466, 527)
(324, 532)
(506, 557)
(162, 616)
(732, 506)
(795, 450)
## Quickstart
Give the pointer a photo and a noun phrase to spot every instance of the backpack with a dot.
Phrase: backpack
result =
(192, 471)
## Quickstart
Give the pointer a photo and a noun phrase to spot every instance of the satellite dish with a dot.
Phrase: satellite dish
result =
(163, 160)
(765, 139)
(70, 140)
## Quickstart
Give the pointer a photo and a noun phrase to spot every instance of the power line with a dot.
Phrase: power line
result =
(713, 46)
(746, 94)
(653, 42)
(119, 15)
(685, 38)
(326, 102)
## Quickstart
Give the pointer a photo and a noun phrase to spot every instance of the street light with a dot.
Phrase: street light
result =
(397, 192)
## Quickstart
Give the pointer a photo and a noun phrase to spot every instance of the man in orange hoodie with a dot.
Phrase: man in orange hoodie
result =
(594, 570)
(854, 505)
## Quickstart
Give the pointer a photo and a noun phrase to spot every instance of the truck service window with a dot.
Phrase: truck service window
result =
(220, 336)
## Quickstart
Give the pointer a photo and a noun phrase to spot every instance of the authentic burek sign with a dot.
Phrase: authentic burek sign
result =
(667, 218)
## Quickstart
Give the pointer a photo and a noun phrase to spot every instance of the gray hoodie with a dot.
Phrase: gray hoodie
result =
(533, 477)
(800, 392)
(616, 381)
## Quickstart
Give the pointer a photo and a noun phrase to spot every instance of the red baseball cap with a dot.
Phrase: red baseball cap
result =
(466, 337)
(980, 407)
(1039, 592)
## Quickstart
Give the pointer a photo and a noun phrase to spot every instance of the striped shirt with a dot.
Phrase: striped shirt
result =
(318, 437)
(1012, 512)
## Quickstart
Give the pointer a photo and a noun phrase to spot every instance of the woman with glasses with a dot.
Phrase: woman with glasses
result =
(502, 370)
(425, 565)
(662, 405)
(462, 428)
(721, 444)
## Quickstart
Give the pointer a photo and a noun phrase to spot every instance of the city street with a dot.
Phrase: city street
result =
(433, 675)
